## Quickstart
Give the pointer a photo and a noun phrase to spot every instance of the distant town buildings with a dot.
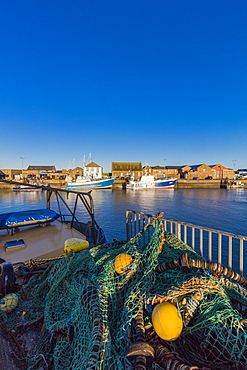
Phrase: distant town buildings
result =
(51, 173)
(189, 172)
(125, 170)
(203, 171)
(40, 172)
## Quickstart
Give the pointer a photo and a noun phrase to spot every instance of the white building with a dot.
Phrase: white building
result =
(93, 170)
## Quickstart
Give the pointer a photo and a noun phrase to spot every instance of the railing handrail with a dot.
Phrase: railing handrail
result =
(207, 229)
(137, 220)
(192, 225)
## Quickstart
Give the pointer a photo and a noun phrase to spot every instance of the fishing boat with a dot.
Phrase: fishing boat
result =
(89, 183)
(26, 188)
(33, 186)
(232, 185)
(38, 233)
(149, 182)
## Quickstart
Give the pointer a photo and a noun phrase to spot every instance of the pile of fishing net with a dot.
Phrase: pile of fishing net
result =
(130, 305)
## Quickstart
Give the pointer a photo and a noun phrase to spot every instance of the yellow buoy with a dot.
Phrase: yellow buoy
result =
(74, 245)
(167, 322)
(121, 262)
(8, 302)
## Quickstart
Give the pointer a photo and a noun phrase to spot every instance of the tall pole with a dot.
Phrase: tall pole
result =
(234, 164)
(22, 159)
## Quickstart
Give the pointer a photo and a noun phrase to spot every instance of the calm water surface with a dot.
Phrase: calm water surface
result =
(215, 208)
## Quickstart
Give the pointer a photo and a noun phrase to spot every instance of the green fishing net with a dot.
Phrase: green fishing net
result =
(77, 312)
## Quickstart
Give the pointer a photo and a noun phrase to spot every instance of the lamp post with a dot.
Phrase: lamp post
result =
(234, 164)
(22, 159)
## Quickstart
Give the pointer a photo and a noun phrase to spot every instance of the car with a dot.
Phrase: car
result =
(209, 178)
(195, 178)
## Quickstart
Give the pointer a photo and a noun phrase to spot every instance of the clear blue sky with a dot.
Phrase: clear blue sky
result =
(155, 81)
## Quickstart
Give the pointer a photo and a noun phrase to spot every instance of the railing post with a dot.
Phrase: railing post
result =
(201, 242)
(230, 252)
(241, 256)
(193, 237)
(127, 224)
(219, 248)
(185, 234)
(178, 230)
(134, 225)
(210, 246)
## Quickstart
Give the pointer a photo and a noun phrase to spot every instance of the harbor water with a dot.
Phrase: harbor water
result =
(219, 209)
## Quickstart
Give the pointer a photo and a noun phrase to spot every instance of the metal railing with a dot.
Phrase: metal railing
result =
(215, 246)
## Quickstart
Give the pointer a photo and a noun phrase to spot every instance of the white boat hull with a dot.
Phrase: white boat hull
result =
(26, 188)
(148, 182)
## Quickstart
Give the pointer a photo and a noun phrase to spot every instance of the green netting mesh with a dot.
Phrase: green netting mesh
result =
(80, 314)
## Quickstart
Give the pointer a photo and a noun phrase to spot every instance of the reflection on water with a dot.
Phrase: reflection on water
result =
(10, 200)
(215, 208)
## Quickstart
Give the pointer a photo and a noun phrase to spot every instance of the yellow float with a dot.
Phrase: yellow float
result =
(74, 245)
(167, 322)
(121, 262)
(8, 302)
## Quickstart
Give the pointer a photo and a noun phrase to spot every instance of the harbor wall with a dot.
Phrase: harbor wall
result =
(121, 184)
(182, 183)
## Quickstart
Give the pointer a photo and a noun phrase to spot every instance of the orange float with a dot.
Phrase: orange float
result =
(121, 262)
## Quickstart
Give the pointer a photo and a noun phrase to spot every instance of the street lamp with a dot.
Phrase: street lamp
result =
(22, 159)
(234, 164)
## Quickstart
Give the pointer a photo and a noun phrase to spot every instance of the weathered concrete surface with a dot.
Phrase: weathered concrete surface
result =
(181, 183)
(119, 184)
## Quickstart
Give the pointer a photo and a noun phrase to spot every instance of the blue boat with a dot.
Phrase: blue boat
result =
(82, 183)
(149, 182)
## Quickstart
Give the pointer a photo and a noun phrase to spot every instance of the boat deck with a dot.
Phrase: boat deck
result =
(41, 241)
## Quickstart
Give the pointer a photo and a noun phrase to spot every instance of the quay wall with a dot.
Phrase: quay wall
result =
(182, 183)
(121, 184)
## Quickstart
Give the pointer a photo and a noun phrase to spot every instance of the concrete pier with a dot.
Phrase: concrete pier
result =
(182, 184)
(121, 184)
